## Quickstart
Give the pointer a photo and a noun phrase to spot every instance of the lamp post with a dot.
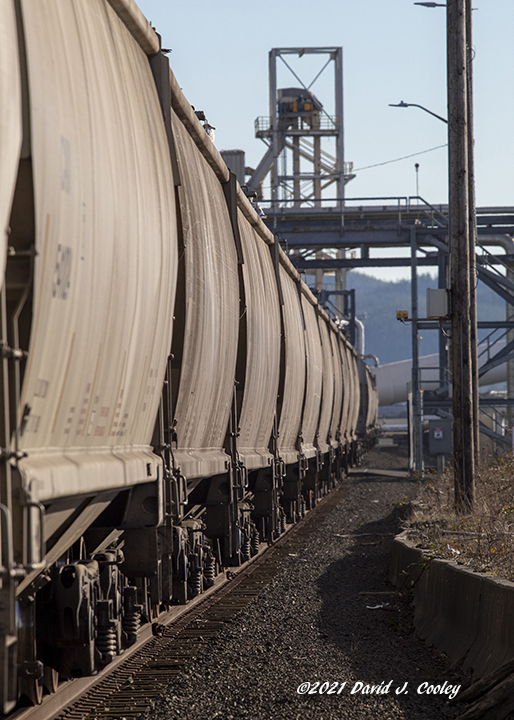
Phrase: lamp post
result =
(417, 401)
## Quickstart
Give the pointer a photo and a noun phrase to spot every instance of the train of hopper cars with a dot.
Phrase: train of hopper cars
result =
(137, 462)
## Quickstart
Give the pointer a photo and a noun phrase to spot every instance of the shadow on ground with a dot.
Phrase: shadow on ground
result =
(372, 625)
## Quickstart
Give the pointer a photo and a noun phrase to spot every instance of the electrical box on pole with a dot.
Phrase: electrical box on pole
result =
(437, 303)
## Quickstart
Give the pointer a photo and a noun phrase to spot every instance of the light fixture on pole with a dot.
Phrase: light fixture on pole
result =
(434, 4)
(417, 395)
(404, 105)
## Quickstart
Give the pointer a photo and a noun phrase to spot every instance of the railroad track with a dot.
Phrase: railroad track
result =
(131, 685)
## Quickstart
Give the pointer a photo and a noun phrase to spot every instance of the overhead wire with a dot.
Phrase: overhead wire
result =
(405, 157)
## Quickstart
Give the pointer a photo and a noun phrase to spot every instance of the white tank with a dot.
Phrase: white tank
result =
(392, 378)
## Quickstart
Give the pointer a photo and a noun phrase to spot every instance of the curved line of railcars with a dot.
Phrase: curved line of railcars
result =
(119, 498)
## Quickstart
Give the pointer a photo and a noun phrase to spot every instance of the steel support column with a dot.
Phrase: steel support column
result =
(274, 126)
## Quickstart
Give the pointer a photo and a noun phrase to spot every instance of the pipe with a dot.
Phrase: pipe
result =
(392, 378)
(361, 340)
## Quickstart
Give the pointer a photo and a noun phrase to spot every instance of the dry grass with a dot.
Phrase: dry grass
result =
(482, 540)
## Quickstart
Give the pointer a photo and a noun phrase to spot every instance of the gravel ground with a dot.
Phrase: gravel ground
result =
(313, 624)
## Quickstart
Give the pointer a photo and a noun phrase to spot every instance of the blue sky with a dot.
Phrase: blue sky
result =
(393, 51)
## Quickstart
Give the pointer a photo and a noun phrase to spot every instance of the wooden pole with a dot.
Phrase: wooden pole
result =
(473, 279)
(417, 409)
(460, 266)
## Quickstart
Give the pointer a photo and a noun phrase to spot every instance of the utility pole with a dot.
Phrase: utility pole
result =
(417, 398)
(461, 261)
(472, 230)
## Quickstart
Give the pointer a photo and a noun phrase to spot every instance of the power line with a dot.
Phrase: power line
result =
(405, 157)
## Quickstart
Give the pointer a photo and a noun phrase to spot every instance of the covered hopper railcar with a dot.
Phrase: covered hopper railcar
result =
(136, 461)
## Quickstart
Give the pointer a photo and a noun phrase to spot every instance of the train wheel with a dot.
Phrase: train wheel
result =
(30, 682)
(32, 689)
(50, 679)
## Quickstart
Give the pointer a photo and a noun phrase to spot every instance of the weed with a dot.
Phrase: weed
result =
(482, 540)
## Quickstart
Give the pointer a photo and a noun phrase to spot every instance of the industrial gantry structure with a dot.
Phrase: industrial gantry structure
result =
(375, 223)
(305, 204)
(305, 153)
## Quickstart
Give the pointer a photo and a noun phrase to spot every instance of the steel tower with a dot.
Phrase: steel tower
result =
(305, 141)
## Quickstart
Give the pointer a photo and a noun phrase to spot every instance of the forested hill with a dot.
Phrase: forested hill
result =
(387, 338)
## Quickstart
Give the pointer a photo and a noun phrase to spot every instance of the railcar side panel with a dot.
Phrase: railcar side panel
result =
(106, 262)
(372, 405)
(346, 389)
(355, 404)
(294, 370)
(262, 323)
(375, 400)
(368, 406)
(210, 315)
(327, 402)
(314, 381)
(351, 384)
(364, 399)
(338, 388)
(369, 390)
(10, 120)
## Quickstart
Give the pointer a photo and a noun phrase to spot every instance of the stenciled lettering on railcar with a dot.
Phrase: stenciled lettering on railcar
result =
(62, 273)
(91, 422)
(41, 388)
(119, 423)
(96, 402)
(69, 421)
(150, 387)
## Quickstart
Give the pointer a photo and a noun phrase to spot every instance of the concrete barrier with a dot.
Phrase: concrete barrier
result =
(467, 615)
(406, 563)
(494, 644)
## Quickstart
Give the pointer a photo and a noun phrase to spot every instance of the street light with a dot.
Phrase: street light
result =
(417, 433)
(434, 4)
(404, 104)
